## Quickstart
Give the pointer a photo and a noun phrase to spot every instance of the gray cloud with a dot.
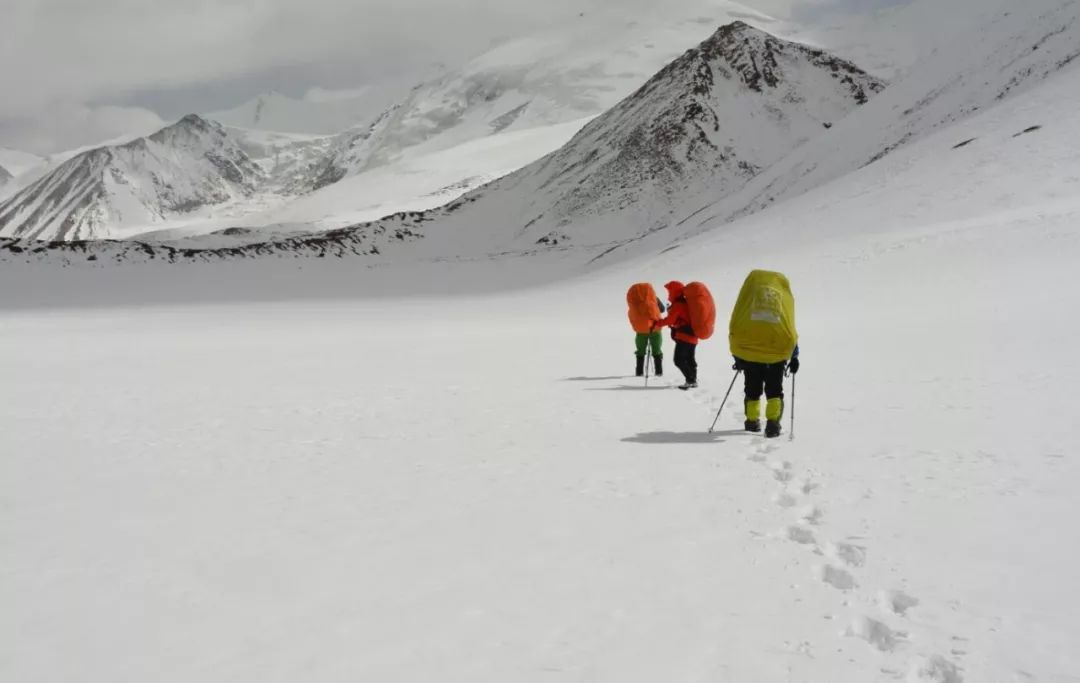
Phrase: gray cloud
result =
(812, 10)
(86, 51)
(75, 56)
(169, 56)
(70, 125)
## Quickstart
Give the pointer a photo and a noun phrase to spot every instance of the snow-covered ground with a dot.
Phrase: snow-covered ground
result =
(318, 471)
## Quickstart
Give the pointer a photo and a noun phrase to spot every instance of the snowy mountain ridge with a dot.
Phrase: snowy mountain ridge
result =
(551, 78)
(1016, 51)
(290, 161)
(713, 118)
(546, 80)
(710, 120)
(1012, 51)
(327, 114)
(191, 165)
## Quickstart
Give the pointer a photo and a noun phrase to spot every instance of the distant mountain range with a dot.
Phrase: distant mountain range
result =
(704, 125)
(547, 79)
(737, 123)
(707, 122)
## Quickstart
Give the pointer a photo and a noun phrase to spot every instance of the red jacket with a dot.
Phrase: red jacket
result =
(678, 317)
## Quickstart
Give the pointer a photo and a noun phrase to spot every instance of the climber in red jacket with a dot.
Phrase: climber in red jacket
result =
(678, 319)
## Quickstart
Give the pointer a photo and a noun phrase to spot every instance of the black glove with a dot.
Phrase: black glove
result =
(793, 365)
(686, 329)
(739, 365)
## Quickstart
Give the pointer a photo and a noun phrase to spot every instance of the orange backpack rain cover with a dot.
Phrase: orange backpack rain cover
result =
(702, 309)
(642, 307)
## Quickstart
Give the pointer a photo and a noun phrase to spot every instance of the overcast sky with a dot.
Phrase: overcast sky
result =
(82, 71)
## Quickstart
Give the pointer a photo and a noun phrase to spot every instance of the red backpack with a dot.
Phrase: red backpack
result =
(702, 309)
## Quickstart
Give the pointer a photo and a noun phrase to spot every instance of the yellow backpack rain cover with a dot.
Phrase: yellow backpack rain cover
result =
(762, 326)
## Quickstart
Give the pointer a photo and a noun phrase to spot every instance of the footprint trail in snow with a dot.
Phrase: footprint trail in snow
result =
(882, 617)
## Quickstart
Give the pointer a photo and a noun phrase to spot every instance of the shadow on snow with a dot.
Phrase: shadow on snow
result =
(675, 437)
(593, 379)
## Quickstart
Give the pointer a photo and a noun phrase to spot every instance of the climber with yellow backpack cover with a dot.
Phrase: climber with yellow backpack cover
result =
(765, 344)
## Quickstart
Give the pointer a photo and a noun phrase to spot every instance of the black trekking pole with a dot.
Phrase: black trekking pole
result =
(722, 403)
(791, 433)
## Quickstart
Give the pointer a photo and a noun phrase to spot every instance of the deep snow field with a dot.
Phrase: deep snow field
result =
(338, 474)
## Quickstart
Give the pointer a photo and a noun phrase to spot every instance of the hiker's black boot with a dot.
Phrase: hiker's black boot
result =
(772, 429)
(752, 425)
(659, 362)
(640, 371)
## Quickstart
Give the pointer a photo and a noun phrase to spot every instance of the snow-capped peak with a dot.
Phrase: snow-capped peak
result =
(187, 166)
(552, 77)
(707, 123)
(754, 56)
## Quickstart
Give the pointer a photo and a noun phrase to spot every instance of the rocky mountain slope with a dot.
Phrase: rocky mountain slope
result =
(553, 77)
(710, 121)
(187, 167)
(1011, 51)
(289, 161)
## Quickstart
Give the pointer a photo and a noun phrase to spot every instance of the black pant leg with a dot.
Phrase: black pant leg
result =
(753, 380)
(680, 357)
(774, 380)
(685, 361)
